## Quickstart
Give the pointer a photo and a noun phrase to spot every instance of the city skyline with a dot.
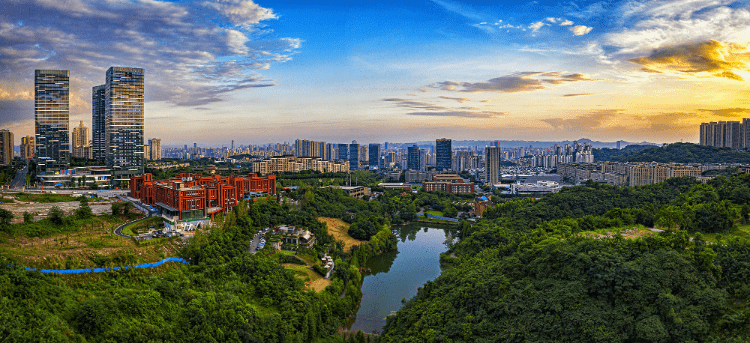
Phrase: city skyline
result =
(267, 71)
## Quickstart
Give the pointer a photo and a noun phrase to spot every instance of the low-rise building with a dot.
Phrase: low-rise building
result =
(450, 183)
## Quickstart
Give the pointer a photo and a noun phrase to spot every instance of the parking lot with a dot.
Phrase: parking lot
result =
(258, 242)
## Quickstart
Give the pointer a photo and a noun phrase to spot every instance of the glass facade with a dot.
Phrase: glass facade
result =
(444, 154)
(97, 122)
(374, 158)
(51, 114)
(123, 115)
(354, 155)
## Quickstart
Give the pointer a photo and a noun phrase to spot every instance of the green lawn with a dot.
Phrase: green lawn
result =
(143, 226)
(742, 231)
(435, 213)
(286, 252)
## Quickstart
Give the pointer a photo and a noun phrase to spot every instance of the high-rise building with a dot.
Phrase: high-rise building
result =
(6, 147)
(413, 158)
(343, 150)
(27, 148)
(491, 164)
(354, 155)
(146, 152)
(374, 158)
(124, 121)
(51, 114)
(155, 148)
(444, 154)
(81, 146)
(98, 122)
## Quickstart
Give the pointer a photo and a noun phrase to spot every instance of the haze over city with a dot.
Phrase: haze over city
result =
(270, 71)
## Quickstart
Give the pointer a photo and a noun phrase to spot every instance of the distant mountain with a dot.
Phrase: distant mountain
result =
(675, 152)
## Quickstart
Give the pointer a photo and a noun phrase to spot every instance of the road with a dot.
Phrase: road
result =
(20, 180)
(254, 243)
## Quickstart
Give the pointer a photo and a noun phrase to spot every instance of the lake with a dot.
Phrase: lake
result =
(396, 275)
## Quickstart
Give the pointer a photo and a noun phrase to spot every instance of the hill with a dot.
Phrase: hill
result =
(676, 152)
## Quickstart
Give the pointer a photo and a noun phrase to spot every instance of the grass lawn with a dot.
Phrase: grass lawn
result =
(312, 279)
(339, 230)
(286, 252)
(90, 244)
(45, 197)
(143, 226)
(435, 213)
(309, 259)
(742, 231)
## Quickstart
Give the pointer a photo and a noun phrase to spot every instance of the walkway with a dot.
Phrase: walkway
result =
(102, 270)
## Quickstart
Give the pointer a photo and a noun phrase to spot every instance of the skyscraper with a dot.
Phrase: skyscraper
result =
(98, 126)
(413, 158)
(374, 157)
(444, 152)
(51, 113)
(354, 155)
(491, 164)
(6, 147)
(124, 120)
(27, 148)
(155, 144)
(81, 146)
(343, 152)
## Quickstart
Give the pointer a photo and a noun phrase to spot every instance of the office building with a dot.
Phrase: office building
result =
(190, 196)
(374, 158)
(27, 148)
(450, 183)
(146, 152)
(81, 146)
(491, 164)
(123, 114)
(51, 115)
(444, 154)
(98, 127)
(155, 148)
(354, 155)
(343, 152)
(413, 158)
(6, 147)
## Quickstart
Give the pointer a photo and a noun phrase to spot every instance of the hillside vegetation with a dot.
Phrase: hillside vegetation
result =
(676, 152)
(578, 266)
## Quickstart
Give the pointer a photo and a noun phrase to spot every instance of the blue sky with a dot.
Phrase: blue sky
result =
(270, 71)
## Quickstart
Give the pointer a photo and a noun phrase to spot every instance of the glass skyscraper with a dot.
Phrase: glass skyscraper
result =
(98, 128)
(354, 155)
(51, 114)
(123, 115)
(413, 158)
(374, 158)
(444, 154)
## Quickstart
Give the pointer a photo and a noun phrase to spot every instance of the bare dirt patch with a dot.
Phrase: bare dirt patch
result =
(338, 229)
(312, 279)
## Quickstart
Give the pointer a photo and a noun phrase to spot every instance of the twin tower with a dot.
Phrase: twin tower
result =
(117, 120)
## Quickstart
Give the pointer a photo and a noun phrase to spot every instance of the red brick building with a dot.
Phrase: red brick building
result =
(450, 183)
(192, 196)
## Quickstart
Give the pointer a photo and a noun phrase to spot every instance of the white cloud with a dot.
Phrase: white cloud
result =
(580, 30)
(566, 23)
(536, 26)
(659, 24)
(242, 12)
(191, 55)
(551, 20)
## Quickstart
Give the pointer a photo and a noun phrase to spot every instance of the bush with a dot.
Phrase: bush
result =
(56, 215)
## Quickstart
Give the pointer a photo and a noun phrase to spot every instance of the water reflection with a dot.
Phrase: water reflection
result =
(397, 274)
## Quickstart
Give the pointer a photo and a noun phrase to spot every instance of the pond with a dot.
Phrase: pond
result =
(396, 275)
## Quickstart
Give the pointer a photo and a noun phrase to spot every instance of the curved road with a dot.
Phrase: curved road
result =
(118, 230)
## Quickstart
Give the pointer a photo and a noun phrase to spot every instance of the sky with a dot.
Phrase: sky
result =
(399, 71)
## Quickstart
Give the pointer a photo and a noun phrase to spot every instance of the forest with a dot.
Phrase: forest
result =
(675, 152)
(583, 266)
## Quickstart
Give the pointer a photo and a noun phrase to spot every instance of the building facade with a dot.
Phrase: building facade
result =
(295, 164)
(6, 147)
(726, 134)
(450, 183)
(190, 196)
(374, 159)
(27, 148)
(155, 149)
(98, 127)
(443, 154)
(354, 155)
(81, 146)
(123, 114)
(492, 164)
(413, 158)
(51, 119)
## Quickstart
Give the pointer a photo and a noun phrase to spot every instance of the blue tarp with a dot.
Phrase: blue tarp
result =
(102, 270)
